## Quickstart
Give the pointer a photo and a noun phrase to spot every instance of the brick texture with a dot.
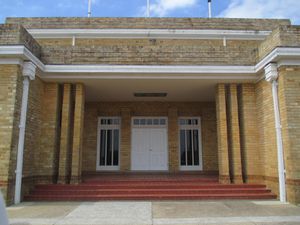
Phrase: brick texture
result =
(205, 110)
(223, 154)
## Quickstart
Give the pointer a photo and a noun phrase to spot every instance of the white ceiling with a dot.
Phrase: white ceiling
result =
(124, 89)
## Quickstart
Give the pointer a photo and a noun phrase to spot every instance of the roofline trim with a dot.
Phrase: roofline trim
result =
(148, 34)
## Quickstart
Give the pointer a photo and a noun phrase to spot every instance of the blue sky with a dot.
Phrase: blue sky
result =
(159, 8)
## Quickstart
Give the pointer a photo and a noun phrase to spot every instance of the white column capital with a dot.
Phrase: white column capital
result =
(29, 70)
(271, 72)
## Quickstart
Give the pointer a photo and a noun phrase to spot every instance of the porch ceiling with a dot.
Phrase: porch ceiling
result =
(177, 90)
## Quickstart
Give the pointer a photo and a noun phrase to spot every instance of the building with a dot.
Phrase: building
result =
(149, 94)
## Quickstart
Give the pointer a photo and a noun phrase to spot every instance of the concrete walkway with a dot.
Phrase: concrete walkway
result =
(159, 212)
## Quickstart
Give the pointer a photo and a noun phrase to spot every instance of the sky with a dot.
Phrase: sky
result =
(159, 8)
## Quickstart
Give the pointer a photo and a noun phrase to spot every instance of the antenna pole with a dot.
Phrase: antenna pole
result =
(148, 8)
(90, 8)
(209, 8)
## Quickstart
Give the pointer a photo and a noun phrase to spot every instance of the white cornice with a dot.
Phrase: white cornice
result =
(16, 54)
(149, 69)
(149, 34)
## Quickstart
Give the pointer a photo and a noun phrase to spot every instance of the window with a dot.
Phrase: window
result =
(108, 143)
(190, 143)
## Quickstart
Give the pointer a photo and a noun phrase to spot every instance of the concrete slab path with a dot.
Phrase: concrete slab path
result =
(155, 213)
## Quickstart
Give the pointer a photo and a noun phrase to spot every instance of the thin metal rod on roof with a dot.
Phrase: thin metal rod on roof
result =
(90, 8)
(209, 8)
(148, 8)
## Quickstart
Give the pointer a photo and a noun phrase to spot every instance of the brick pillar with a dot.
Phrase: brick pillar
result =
(289, 99)
(173, 139)
(125, 154)
(251, 154)
(65, 142)
(49, 133)
(77, 134)
(223, 158)
(10, 105)
(234, 136)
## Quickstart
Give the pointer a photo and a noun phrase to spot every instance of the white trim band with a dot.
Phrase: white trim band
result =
(149, 33)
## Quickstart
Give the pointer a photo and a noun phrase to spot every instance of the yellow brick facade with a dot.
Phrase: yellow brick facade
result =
(238, 136)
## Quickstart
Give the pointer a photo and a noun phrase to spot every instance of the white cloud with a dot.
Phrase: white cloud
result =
(163, 7)
(263, 9)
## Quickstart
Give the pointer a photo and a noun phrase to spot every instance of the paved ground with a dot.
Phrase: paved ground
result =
(158, 213)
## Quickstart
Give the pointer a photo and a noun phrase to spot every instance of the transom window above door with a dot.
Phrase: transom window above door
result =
(190, 146)
(152, 121)
(108, 143)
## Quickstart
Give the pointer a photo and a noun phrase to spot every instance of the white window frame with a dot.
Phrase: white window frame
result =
(150, 126)
(106, 127)
(191, 127)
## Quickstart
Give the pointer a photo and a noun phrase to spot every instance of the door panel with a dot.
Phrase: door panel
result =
(149, 149)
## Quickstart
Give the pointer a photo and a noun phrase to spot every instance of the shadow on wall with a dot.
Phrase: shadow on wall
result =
(3, 214)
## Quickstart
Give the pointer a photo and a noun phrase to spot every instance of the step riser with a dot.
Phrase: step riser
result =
(121, 191)
(95, 198)
(116, 186)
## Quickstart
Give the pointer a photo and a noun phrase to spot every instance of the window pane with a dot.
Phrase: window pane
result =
(182, 121)
(109, 148)
(149, 121)
(189, 148)
(116, 121)
(156, 122)
(182, 148)
(162, 121)
(196, 147)
(143, 122)
(136, 121)
(102, 147)
(116, 148)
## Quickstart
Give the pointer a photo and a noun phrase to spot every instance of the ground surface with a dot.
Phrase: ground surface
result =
(159, 212)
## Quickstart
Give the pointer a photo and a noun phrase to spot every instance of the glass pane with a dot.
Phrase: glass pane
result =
(109, 148)
(182, 121)
(116, 121)
(156, 122)
(196, 147)
(102, 121)
(149, 121)
(189, 147)
(136, 121)
(116, 148)
(102, 147)
(182, 148)
(162, 121)
(143, 122)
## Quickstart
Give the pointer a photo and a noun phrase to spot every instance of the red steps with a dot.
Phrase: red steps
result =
(151, 189)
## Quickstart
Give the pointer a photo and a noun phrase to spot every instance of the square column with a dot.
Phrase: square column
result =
(125, 150)
(234, 135)
(78, 134)
(223, 157)
(65, 137)
(173, 139)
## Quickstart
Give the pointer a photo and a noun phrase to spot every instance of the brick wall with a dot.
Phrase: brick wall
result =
(267, 135)
(148, 23)
(289, 100)
(149, 52)
(10, 89)
(283, 36)
(93, 110)
(12, 34)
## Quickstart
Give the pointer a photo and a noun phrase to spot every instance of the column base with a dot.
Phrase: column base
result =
(75, 180)
(224, 179)
(238, 179)
(62, 180)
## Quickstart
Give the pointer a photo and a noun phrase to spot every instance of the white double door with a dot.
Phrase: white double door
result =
(149, 149)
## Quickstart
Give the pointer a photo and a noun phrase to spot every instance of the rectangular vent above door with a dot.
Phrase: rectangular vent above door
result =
(155, 95)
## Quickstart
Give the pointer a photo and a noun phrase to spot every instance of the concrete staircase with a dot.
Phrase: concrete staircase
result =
(149, 188)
